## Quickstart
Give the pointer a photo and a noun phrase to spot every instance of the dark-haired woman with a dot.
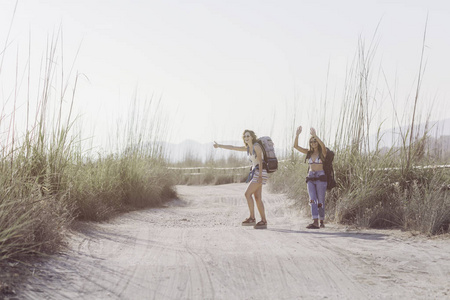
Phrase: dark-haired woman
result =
(316, 179)
(257, 177)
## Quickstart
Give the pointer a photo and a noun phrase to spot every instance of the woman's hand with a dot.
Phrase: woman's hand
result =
(260, 179)
(216, 145)
(313, 132)
(299, 130)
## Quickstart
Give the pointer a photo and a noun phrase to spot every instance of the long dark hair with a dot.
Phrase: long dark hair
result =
(252, 134)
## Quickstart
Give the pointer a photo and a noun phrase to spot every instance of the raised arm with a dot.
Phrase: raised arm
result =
(324, 149)
(230, 147)
(296, 146)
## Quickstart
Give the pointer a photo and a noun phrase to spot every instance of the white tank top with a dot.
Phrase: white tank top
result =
(253, 159)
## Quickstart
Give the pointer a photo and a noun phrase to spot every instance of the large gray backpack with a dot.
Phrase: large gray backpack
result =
(270, 159)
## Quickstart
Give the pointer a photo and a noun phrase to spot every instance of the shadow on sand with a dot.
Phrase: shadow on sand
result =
(321, 233)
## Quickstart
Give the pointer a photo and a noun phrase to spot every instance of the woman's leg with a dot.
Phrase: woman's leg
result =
(321, 191)
(259, 203)
(312, 191)
(251, 189)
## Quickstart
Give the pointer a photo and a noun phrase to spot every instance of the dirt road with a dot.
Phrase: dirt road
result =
(195, 248)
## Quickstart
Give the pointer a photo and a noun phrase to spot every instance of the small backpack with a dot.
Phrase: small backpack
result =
(270, 159)
(328, 168)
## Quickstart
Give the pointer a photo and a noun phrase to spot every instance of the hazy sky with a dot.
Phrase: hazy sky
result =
(219, 67)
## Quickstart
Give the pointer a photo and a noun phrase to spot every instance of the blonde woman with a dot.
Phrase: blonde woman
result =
(316, 180)
(257, 177)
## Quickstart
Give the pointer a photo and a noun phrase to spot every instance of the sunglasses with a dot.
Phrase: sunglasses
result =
(246, 136)
(313, 141)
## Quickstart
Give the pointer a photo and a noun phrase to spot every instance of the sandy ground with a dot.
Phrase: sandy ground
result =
(195, 248)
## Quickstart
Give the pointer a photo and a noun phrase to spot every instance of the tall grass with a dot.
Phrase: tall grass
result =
(195, 171)
(378, 187)
(47, 180)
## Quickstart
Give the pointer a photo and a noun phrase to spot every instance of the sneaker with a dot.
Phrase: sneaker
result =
(261, 225)
(249, 222)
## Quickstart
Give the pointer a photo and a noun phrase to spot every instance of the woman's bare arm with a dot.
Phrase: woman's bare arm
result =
(259, 157)
(230, 147)
(296, 146)
(321, 143)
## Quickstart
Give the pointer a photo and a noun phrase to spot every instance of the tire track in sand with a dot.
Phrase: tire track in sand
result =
(195, 248)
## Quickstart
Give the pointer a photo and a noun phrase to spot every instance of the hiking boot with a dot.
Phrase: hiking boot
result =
(249, 222)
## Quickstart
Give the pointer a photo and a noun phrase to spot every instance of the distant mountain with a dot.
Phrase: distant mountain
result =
(440, 148)
(390, 137)
(438, 133)
(193, 150)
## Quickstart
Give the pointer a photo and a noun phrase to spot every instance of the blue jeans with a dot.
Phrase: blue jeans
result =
(316, 190)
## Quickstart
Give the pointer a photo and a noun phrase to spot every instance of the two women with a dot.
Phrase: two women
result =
(257, 178)
(316, 179)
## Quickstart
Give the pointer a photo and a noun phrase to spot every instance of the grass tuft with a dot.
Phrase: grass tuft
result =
(47, 180)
